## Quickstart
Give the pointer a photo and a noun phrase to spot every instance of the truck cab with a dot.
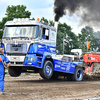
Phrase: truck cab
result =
(27, 44)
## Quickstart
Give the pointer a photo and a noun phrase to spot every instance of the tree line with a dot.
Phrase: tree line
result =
(75, 41)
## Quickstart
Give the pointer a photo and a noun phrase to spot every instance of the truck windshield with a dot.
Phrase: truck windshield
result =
(20, 31)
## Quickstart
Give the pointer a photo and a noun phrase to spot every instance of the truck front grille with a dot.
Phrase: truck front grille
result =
(19, 48)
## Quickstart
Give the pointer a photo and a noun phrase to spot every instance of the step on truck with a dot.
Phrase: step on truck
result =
(31, 47)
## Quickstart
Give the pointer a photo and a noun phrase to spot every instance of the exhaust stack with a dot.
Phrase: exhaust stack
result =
(56, 26)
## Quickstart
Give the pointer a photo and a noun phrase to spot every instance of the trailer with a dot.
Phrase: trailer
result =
(31, 47)
(91, 62)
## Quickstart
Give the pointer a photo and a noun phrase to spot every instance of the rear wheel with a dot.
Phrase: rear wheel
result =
(78, 75)
(47, 71)
(14, 71)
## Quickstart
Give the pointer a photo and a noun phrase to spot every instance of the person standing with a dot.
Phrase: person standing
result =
(4, 64)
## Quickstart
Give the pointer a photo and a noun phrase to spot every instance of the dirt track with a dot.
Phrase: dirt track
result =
(33, 87)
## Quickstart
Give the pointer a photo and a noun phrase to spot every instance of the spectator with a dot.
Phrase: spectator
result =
(3, 62)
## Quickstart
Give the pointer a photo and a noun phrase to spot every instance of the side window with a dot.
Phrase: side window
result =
(45, 33)
(52, 35)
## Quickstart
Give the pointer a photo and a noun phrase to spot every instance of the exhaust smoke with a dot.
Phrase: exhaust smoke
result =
(87, 10)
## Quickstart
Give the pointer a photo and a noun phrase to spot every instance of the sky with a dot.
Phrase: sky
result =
(39, 9)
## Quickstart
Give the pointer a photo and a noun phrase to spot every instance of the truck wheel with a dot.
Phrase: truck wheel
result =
(47, 71)
(78, 74)
(14, 71)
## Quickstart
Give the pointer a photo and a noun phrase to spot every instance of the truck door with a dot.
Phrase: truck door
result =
(44, 36)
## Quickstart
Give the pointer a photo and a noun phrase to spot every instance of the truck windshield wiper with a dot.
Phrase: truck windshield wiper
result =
(24, 37)
(16, 38)
(6, 37)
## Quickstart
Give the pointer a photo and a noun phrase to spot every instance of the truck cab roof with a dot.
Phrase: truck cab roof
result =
(27, 21)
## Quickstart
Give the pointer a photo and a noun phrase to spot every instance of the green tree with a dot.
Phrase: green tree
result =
(18, 11)
(96, 42)
(12, 12)
(66, 31)
(46, 21)
(32, 18)
(87, 35)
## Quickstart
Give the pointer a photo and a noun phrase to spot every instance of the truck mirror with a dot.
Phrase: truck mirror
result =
(47, 32)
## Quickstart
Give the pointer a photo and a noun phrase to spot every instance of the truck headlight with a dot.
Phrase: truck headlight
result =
(31, 59)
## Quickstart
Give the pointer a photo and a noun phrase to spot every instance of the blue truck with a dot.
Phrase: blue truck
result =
(31, 47)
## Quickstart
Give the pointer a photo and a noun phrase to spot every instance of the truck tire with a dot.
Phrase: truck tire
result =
(47, 71)
(14, 71)
(78, 74)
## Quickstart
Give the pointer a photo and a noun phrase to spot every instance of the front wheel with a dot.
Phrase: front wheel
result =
(47, 71)
(78, 75)
(14, 71)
